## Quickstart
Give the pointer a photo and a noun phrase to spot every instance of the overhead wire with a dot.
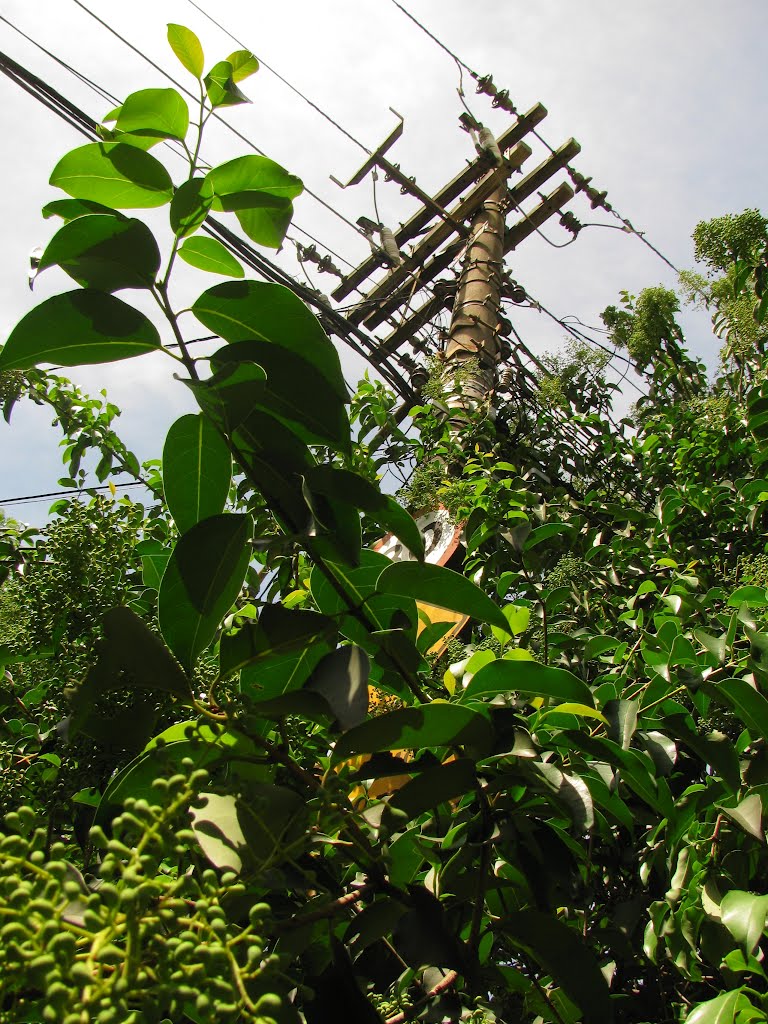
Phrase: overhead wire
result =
(462, 64)
(243, 138)
(352, 335)
(23, 499)
(285, 81)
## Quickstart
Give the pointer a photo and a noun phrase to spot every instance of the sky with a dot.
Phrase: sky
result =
(666, 97)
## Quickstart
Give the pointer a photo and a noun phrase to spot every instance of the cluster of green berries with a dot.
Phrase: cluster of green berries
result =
(569, 571)
(150, 938)
(391, 1003)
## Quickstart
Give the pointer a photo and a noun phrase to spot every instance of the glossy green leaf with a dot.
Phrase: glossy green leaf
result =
(278, 631)
(752, 596)
(78, 327)
(340, 485)
(187, 48)
(748, 814)
(342, 679)
(360, 584)
(570, 790)
(114, 174)
(260, 193)
(197, 469)
(270, 677)
(107, 252)
(130, 647)
(528, 677)
(442, 587)
(157, 113)
(221, 88)
(720, 1010)
(244, 64)
(190, 206)
(291, 391)
(202, 579)
(154, 558)
(254, 310)
(209, 254)
(749, 705)
(71, 209)
(430, 788)
(437, 724)
(518, 616)
(743, 914)
(622, 720)
(562, 953)
(219, 832)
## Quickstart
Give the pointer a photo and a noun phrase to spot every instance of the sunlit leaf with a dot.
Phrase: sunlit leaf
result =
(157, 113)
(78, 327)
(187, 48)
(209, 254)
(114, 174)
(202, 579)
(197, 469)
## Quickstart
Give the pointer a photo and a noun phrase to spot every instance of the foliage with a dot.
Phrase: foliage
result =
(304, 809)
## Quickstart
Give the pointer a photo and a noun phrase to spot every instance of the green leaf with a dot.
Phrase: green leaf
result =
(187, 48)
(749, 705)
(244, 64)
(209, 254)
(571, 791)
(528, 677)
(190, 206)
(219, 832)
(748, 814)
(154, 558)
(720, 1010)
(752, 596)
(260, 193)
(291, 391)
(518, 616)
(71, 209)
(442, 587)
(342, 678)
(430, 788)
(114, 174)
(107, 252)
(438, 724)
(156, 113)
(254, 310)
(197, 469)
(78, 327)
(341, 485)
(359, 583)
(743, 914)
(562, 953)
(622, 720)
(131, 648)
(202, 580)
(221, 88)
(278, 630)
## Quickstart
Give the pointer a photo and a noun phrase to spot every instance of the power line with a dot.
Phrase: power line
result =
(74, 490)
(352, 335)
(434, 39)
(187, 92)
(462, 64)
(283, 80)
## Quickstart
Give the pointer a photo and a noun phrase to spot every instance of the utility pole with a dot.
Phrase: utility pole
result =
(473, 338)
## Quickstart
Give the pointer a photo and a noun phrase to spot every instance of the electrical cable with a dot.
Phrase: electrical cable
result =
(346, 331)
(434, 39)
(74, 490)
(285, 81)
(219, 118)
(628, 225)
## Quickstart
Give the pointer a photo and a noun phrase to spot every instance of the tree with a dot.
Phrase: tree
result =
(316, 808)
